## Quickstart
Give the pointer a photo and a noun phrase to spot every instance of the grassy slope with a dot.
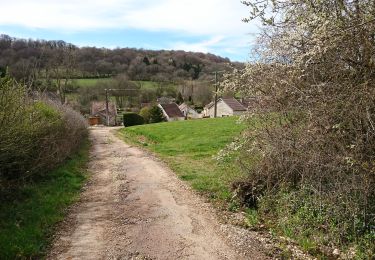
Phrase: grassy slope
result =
(189, 146)
(26, 223)
(92, 82)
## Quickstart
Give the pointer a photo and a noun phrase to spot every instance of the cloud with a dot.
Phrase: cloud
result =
(68, 15)
(192, 16)
(206, 17)
(201, 46)
(215, 23)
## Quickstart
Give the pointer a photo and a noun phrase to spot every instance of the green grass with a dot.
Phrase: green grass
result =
(86, 83)
(154, 85)
(189, 147)
(147, 84)
(28, 218)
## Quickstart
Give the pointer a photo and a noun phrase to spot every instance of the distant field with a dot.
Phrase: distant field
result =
(93, 82)
(189, 147)
(153, 84)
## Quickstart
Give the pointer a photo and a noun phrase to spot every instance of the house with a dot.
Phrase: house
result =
(98, 110)
(225, 107)
(188, 111)
(172, 112)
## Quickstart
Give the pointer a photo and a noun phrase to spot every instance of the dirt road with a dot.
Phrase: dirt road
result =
(135, 208)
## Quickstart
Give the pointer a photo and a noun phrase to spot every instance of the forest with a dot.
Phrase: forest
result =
(27, 59)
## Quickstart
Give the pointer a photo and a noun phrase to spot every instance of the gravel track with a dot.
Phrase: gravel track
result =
(134, 207)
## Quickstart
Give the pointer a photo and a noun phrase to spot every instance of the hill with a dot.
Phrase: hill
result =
(31, 58)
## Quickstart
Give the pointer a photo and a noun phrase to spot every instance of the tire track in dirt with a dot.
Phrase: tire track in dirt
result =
(133, 207)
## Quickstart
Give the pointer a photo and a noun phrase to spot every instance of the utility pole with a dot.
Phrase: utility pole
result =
(215, 111)
(106, 106)
(216, 89)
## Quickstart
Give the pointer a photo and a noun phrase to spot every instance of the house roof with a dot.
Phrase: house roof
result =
(233, 103)
(183, 106)
(209, 105)
(172, 110)
(187, 109)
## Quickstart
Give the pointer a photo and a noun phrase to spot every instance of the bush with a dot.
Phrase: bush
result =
(35, 134)
(145, 113)
(156, 115)
(131, 119)
(314, 171)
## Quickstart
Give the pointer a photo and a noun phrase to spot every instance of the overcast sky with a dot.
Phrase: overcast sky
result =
(192, 25)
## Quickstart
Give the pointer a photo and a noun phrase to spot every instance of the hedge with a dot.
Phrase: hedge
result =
(131, 119)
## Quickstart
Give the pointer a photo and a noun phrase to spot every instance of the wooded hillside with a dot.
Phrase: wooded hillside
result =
(27, 59)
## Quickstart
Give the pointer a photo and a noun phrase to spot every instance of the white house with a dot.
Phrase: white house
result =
(188, 111)
(172, 112)
(225, 107)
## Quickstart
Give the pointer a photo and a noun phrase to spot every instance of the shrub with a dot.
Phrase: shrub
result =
(179, 99)
(145, 113)
(35, 134)
(314, 170)
(131, 119)
(156, 115)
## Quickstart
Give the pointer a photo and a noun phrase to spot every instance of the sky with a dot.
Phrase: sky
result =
(213, 26)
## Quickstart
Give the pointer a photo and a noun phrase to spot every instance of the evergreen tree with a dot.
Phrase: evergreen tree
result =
(179, 99)
(156, 115)
(146, 61)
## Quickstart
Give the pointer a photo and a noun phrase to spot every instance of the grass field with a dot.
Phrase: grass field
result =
(189, 147)
(85, 83)
(28, 218)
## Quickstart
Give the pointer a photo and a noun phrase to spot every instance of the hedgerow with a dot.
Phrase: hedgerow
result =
(36, 134)
(131, 119)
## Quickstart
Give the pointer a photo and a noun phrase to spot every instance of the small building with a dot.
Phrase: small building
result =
(188, 111)
(225, 107)
(98, 110)
(172, 112)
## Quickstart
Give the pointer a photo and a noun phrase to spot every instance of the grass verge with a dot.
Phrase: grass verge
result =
(28, 218)
(189, 147)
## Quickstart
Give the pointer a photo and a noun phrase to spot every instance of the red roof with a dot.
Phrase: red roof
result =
(172, 110)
